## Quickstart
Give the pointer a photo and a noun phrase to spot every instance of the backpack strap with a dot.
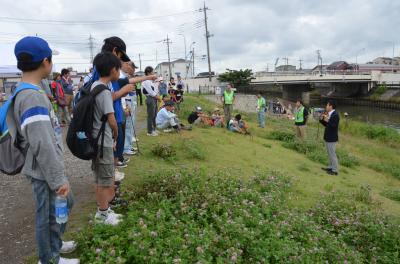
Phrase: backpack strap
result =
(94, 92)
(4, 109)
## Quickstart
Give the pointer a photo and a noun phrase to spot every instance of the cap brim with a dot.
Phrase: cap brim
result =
(125, 57)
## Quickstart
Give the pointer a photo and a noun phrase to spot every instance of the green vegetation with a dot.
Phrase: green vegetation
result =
(238, 78)
(225, 198)
(193, 216)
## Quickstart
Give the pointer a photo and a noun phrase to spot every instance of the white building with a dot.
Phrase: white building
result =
(181, 67)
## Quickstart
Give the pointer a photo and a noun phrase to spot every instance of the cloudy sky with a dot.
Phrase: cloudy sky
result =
(246, 34)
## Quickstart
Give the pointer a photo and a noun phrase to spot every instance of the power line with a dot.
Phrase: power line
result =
(89, 22)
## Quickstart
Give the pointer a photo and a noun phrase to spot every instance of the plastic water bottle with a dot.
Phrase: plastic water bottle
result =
(61, 210)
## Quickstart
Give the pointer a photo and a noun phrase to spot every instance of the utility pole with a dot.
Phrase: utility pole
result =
(287, 63)
(319, 59)
(91, 48)
(208, 35)
(193, 62)
(300, 61)
(140, 62)
(167, 40)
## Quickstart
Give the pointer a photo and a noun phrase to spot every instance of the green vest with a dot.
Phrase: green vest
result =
(300, 115)
(261, 102)
(228, 97)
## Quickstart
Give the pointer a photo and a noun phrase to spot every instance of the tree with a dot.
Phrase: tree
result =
(237, 78)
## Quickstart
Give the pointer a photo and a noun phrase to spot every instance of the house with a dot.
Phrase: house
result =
(382, 60)
(179, 67)
(338, 66)
(9, 77)
(281, 68)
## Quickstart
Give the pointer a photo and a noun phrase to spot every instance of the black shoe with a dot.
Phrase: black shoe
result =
(332, 172)
(326, 169)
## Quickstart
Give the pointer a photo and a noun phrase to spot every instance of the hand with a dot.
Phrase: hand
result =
(152, 77)
(63, 190)
(129, 88)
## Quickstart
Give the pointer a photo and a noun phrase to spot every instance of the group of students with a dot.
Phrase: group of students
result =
(33, 123)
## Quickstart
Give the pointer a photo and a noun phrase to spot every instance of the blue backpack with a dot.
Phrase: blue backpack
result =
(85, 89)
(12, 156)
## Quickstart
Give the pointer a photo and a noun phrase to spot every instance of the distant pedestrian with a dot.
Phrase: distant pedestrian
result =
(62, 109)
(162, 87)
(301, 116)
(152, 99)
(330, 120)
(67, 86)
(228, 99)
(261, 109)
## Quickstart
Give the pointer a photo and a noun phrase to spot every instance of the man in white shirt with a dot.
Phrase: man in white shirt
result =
(166, 119)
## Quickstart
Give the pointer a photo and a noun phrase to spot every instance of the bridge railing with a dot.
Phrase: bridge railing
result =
(314, 73)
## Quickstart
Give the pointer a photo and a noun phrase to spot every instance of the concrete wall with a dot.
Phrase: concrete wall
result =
(192, 85)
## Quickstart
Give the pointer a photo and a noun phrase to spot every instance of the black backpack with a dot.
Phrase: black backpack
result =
(79, 136)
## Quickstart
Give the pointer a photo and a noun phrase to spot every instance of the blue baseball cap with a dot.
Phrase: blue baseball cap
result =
(37, 47)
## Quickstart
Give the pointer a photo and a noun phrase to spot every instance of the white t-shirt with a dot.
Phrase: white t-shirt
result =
(150, 88)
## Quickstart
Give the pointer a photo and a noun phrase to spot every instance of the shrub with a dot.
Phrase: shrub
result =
(164, 151)
(281, 136)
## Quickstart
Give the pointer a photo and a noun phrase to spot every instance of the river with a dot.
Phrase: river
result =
(389, 118)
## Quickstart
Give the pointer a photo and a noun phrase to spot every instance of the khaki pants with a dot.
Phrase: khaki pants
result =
(228, 109)
(69, 98)
(301, 132)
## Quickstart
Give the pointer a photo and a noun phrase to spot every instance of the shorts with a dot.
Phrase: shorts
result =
(103, 168)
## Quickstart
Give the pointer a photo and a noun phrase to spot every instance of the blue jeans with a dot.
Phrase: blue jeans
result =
(130, 123)
(261, 118)
(47, 232)
(119, 148)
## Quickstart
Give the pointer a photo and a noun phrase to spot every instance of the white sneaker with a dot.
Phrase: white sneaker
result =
(111, 211)
(110, 219)
(152, 134)
(119, 176)
(167, 130)
(68, 247)
(129, 152)
(155, 132)
(66, 261)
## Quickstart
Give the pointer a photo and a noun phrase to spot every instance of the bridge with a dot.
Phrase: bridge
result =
(338, 83)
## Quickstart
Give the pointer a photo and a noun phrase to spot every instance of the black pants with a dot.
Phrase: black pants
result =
(139, 96)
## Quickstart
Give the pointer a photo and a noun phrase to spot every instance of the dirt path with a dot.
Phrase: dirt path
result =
(17, 208)
(17, 238)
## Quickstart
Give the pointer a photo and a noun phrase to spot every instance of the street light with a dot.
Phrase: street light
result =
(358, 52)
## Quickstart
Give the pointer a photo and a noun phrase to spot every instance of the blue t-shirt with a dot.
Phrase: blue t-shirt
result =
(118, 110)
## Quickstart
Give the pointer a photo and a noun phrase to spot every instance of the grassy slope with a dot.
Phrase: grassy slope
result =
(242, 155)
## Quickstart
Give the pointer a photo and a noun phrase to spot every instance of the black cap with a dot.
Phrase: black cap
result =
(120, 45)
(134, 65)
(169, 103)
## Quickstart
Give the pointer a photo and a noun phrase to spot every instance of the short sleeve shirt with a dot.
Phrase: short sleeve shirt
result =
(104, 106)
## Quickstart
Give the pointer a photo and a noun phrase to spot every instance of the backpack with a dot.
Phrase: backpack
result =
(79, 136)
(12, 155)
(84, 91)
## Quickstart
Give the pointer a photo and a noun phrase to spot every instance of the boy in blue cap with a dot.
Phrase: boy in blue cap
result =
(33, 119)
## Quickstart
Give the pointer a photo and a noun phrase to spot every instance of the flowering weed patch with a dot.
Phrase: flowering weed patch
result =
(193, 217)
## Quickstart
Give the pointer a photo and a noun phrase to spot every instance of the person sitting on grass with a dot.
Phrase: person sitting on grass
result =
(217, 118)
(164, 99)
(198, 117)
(238, 125)
(166, 120)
